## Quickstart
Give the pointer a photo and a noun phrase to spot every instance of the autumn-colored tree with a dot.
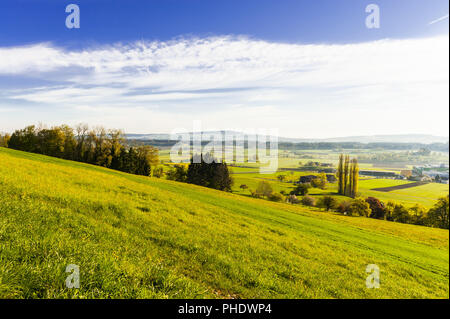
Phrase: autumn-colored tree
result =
(4, 139)
(377, 207)
(264, 189)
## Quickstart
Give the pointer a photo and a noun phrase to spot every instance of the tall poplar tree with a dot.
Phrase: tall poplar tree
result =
(346, 172)
(355, 176)
(340, 174)
(350, 180)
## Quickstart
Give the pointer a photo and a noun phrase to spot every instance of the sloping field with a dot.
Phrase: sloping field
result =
(373, 183)
(425, 195)
(139, 237)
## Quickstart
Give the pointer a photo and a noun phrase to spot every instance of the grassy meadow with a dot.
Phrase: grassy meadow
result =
(141, 237)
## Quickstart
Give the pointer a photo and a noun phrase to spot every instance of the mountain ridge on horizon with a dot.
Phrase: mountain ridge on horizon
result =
(378, 138)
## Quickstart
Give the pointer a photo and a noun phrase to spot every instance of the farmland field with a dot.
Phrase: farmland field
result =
(248, 174)
(380, 183)
(425, 195)
(399, 187)
(141, 237)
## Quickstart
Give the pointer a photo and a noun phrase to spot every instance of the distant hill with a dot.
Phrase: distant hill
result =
(401, 138)
(404, 138)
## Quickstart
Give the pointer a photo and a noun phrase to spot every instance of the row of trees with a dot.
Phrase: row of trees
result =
(96, 146)
(264, 190)
(348, 175)
(437, 216)
(371, 207)
(203, 170)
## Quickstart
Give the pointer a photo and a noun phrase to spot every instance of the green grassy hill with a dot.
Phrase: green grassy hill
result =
(139, 237)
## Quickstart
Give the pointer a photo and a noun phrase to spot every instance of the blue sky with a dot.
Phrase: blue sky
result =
(153, 66)
(108, 21)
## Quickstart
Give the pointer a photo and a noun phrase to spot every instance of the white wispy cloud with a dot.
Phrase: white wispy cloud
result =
(388, 86)
(439, 19)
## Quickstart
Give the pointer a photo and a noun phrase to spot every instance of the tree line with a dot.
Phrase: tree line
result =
(437, 216)
(96, 146)
(348, 175)
(371, 207)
